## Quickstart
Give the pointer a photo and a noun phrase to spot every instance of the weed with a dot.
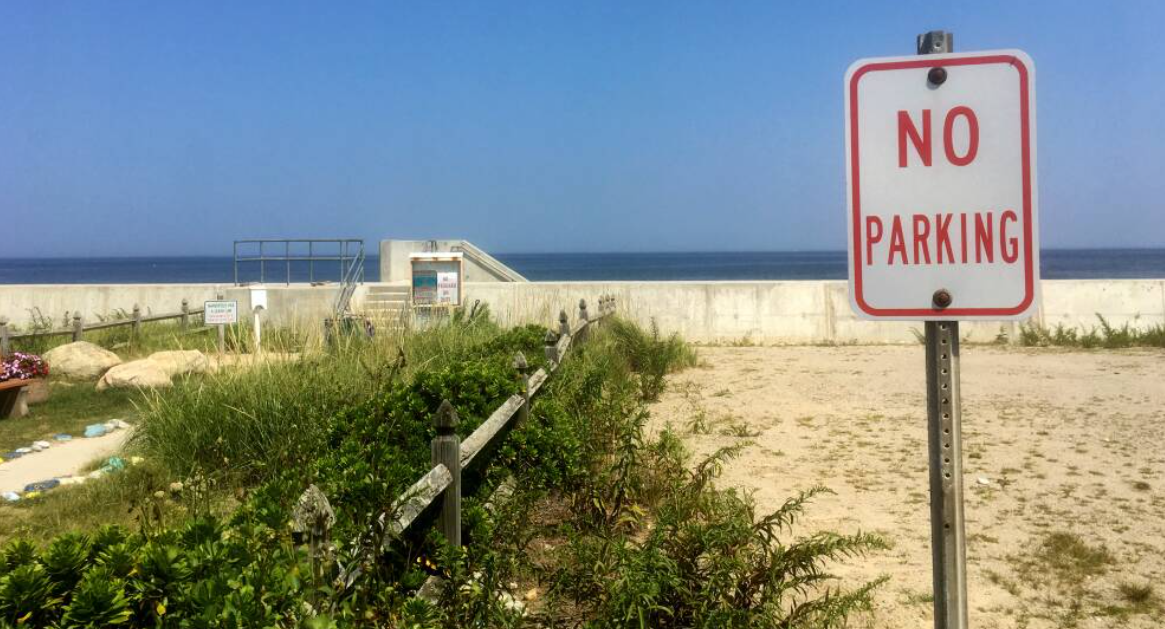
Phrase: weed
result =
(1105, 336)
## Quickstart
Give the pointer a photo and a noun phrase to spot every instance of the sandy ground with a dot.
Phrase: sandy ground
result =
(64, 459)
(1054, 442)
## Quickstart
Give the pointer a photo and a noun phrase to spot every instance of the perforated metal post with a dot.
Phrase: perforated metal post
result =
(944, 429)
(944, 420)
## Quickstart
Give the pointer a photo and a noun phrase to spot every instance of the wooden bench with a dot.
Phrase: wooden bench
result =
(9, 394)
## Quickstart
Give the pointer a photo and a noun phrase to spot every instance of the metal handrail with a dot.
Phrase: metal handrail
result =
(489, 262)
(353, 277)
(346, 257)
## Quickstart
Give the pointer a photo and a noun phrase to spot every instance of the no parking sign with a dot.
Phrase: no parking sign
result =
(940, 153)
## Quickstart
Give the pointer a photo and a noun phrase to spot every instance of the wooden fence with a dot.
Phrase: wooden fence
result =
(438, 492)
(79, 327)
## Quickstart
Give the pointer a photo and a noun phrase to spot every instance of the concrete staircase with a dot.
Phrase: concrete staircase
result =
(387, 304)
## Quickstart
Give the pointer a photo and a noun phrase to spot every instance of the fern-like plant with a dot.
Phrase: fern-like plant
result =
(99, 601)
(19, 552)
(65, 560)
(27, 596)
(118, 559)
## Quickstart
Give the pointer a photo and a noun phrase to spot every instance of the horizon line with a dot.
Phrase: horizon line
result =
(540, 253)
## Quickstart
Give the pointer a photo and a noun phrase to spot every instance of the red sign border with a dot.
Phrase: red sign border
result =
(855, 187)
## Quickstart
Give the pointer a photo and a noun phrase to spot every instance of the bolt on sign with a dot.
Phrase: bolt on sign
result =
(941, 166)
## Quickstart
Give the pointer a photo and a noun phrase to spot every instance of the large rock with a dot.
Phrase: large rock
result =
(139, 374)
(180, 362)
(80, 360)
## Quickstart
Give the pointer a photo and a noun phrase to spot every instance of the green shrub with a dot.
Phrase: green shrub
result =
(27, 596)
(18, 552)
(651, 543)
(99, 601)
(650, 355)
(65, 560)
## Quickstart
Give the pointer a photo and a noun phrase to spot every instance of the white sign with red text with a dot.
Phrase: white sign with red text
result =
(942, 186)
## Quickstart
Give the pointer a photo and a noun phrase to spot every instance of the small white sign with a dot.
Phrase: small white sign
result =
(220, 312)
(258, 299)
(941, 170)
(447, 283)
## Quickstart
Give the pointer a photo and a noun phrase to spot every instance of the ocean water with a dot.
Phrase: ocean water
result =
(1055, 263)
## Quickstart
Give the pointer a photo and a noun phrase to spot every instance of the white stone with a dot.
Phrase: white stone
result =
(140, 374)
(82, 360)
(181, 362)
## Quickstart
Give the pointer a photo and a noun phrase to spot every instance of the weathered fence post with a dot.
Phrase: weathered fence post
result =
(447, 451)
(523, 369)
(583, 318)
(78, 327)
(222, 328)
(312, 520)
(185, 322)
(328, 328)
(3, 337)
(137, 321)
(563, 324)
(551, 349)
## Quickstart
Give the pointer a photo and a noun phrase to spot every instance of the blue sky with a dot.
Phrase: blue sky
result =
(153, 128)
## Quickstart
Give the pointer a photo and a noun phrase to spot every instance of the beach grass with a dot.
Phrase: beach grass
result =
(1102, 336)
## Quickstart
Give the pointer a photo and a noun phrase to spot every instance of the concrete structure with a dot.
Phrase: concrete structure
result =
(22, 304)
(760, 312)
(807, 311)
(479, 265)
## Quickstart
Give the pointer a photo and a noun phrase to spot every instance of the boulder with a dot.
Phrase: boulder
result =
(140, 374)
(80, 360)
(180, 362)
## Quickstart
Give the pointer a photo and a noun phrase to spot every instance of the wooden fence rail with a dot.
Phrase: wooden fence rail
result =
(440, 487)
(79, 327)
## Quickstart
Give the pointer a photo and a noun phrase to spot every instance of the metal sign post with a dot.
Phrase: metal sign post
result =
(945, 443)
(943, 211)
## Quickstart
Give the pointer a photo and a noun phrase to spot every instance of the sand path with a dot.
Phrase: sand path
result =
(63, 459)
(1063, 442)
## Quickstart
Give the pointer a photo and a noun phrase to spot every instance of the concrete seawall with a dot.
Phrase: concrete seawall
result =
(809, 311)
(761, 312)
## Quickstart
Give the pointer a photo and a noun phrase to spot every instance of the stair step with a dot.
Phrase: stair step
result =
(386, 302)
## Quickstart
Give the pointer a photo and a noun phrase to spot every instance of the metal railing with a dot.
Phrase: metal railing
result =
(350, 279)
(348, 252)
(488, 262)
